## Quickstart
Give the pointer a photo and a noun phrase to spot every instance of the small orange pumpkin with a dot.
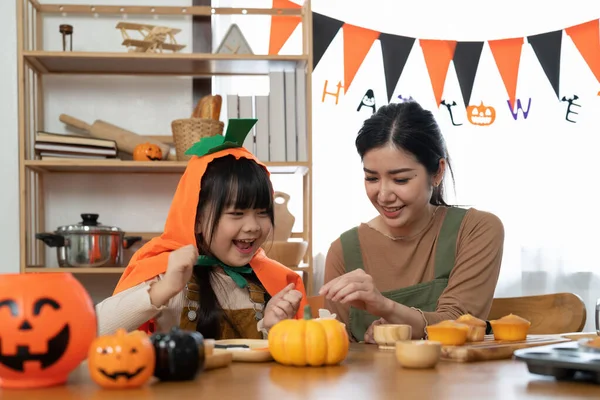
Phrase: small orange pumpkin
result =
(122, 360)
(481, 115)
(147, 152)
(308, 342)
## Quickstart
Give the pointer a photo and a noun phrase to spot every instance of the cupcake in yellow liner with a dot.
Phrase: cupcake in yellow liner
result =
(510, 327)
(449, 333)
(476, 327)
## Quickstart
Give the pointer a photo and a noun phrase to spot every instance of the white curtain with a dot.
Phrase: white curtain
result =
(537, 174)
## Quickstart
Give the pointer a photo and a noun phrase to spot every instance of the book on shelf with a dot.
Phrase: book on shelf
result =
(281, 131)
(65, 146)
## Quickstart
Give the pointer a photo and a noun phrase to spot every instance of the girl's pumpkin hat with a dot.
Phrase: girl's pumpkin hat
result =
(152, 258)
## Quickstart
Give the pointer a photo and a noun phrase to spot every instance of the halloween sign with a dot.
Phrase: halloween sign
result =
(570, 103)
(449, 106)
(368, 100)
(335, 94)
(47, 323)
(481, 115)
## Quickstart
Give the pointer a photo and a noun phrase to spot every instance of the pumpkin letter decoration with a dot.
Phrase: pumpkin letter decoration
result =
(47, 322)
(308, 342)
(481, 115)
(123, 360)
(147, 152)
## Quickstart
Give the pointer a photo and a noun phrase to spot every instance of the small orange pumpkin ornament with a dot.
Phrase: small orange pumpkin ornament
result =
(308, 342)
(123, 360)
(147, 152)
(481, 115)
(47, 322)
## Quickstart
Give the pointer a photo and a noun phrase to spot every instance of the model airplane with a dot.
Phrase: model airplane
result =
(155, 38)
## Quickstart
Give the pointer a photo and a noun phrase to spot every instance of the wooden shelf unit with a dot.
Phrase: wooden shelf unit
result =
(34, 63)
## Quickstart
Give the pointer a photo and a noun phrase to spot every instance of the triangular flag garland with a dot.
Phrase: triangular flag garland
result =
(466, 61)
(547, 48)
(439, 53)
(282, 26)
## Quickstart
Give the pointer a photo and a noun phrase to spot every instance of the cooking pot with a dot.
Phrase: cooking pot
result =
(88, 244)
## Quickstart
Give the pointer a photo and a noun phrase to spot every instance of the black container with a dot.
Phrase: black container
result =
(179, 355)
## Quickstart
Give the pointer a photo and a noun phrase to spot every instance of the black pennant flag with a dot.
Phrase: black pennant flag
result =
(547, 50)
(466, 59)
(395, 50)
(324, 30)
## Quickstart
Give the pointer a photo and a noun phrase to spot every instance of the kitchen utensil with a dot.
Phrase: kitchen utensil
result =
(126, 140)
(389, 334)
(257, 351)
(284, 219)
(88, 244)
(289, 253)
(419, 354)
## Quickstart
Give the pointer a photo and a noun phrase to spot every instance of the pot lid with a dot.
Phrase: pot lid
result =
(89, 224)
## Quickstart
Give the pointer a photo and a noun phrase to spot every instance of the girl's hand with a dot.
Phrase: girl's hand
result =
(284, 305)
(357, 289)
(179, 271)
(369, 335)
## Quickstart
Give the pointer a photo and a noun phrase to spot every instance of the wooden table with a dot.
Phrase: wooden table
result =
(367, 373)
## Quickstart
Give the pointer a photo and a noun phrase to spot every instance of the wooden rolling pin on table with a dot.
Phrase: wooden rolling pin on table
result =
(126, 140)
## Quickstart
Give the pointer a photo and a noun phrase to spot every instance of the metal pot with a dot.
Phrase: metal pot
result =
(88, 244)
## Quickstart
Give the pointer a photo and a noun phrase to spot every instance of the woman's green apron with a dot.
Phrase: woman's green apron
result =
(423, 296)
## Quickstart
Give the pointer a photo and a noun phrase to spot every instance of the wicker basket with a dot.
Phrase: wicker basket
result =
(188, 131)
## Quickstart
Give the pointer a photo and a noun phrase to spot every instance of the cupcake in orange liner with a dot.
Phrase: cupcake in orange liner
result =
(476, 326)
(510, 327)
(449, 333)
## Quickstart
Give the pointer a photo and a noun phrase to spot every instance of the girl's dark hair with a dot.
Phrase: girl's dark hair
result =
(228, 182)
(410, 128)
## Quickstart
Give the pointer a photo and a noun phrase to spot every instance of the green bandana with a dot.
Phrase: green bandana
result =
(233, 272)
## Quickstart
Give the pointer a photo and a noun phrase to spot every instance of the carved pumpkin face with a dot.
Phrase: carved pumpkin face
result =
(47, 322)
(147, 152)
(121, 360)
(481, 115)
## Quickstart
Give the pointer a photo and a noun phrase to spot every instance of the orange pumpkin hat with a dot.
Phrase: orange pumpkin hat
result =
(151, 260)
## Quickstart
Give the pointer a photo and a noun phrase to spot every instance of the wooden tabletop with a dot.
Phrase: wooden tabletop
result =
(367, 373)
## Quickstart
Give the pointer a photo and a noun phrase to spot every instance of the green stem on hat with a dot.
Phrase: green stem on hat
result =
(307, 312)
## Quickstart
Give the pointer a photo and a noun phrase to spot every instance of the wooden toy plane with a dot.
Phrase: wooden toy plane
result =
(155, 38)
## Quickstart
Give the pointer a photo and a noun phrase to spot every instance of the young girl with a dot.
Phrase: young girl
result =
(207, 271)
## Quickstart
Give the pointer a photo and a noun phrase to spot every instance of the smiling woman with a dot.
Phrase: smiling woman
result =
(420, 260)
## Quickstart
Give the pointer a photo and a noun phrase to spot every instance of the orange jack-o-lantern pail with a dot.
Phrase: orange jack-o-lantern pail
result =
(47, 323)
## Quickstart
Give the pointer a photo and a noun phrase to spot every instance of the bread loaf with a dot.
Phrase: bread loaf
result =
(209, 107)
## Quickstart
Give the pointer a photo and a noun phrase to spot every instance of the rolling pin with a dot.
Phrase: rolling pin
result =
(126, 140)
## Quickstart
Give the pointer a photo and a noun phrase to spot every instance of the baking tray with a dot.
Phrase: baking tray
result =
(565, 361)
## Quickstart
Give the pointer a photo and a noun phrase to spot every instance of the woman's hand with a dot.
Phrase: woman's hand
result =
(179, 271)
(369, 335)
(357, 289)
(284, 305)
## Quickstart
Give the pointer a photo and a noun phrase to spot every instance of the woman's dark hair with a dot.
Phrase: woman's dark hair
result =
(410, 128)
(228, 182)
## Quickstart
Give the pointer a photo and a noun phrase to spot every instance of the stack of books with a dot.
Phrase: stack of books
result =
(56, 146)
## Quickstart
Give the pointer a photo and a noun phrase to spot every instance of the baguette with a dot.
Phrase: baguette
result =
(209, 107)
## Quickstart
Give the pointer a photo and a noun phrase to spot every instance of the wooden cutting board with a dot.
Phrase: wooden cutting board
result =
(284, 220)
(491, 349)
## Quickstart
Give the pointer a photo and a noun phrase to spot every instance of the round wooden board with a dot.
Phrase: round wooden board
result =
(259, 350)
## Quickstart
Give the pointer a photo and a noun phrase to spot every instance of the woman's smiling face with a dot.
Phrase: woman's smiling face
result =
(399, 187)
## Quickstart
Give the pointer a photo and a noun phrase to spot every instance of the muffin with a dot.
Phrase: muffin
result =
(510, 327)
(449, 333)
(476, 327)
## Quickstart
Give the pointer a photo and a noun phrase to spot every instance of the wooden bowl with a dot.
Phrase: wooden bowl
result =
(288, 253)
(389, 334)
(418, 353)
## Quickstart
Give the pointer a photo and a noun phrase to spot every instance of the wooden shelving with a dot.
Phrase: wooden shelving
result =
(182, 64)
(75, 270)
(141, 167)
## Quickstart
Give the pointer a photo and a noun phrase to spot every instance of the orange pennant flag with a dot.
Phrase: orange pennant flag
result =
(282, 26)
(357, 43)
(507, 54)
(586, 37)
(438, 54)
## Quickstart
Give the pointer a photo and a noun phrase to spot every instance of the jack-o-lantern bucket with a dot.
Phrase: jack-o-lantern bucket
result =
(47, 323)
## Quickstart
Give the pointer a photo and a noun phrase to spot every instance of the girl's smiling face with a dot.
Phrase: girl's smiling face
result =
(399, 187)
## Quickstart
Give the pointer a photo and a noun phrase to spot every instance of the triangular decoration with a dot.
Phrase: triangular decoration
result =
(437, 54)
(547, 48)
(357, 43)
(324, 30)
(282, 26)
(587, 40)
(395, 50)
(466, 59)
(507, 54)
